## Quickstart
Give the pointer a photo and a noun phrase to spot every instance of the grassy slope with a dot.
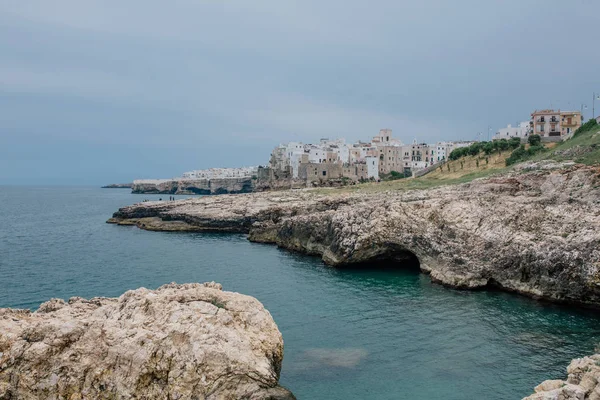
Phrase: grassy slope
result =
(583, 148)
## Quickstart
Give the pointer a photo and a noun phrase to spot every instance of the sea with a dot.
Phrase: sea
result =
(349, 334)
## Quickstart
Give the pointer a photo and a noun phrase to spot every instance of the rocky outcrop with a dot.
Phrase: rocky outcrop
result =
(191, 341)
(118, 186)
(535, 231)
(583, 382)
(194, 186)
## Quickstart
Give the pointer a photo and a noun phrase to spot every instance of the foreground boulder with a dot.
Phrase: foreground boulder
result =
(191, 341)
(583, 382)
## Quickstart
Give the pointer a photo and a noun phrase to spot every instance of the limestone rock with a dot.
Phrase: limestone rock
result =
(535, 231)
(191, 341)
(194, 186)
(582, 383)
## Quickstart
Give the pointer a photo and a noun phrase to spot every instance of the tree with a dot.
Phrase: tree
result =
(488, 148)
(514, 142)
(503, 144)
(534, 140)
(475, 148)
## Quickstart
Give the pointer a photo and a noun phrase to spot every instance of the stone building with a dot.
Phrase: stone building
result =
(554, 123)
(312, 172)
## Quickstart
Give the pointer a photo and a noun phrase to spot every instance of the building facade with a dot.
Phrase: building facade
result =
(554, 123)
(521, 131)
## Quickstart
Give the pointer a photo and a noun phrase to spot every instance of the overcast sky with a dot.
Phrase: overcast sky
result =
(102, 91)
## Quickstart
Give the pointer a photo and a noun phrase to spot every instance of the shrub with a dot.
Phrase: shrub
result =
(458, 153)
(395, 175)
(475, 148)
(521, 154)
(502, 144)
(514, 142)
(532, 150)
(588, 126)
(516, 155)
(488, 148)
(534, 140)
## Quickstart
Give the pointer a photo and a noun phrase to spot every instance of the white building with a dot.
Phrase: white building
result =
(521, 131)
(372, 167)
(217, 173)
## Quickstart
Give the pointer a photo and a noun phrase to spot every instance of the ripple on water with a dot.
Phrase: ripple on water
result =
(352, 334)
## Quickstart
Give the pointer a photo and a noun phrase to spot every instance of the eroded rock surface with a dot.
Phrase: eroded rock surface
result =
(583, 382)
(535, 231)
(191, 341)
(194, 186)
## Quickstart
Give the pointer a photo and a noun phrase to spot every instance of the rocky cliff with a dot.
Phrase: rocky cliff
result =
(118, 186)
(583, 382)
(535, 231)
(191, 341)
(194, 186)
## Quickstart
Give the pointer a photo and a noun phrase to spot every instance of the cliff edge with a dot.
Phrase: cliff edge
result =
(535, 230)
(191, 341)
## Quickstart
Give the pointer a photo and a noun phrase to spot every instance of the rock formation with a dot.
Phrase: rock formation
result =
(191, 341)
(194, 186)
(534, 231)
(118, 186)
(583, 382)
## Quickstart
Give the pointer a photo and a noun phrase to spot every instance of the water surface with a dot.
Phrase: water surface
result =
(348, 334)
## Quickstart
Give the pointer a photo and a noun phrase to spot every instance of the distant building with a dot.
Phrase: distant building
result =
(521, 131)
(554, 123)
(220, 173)
(570, 121)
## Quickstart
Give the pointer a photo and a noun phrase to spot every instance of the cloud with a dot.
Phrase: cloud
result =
(305, 119)
(184, 78)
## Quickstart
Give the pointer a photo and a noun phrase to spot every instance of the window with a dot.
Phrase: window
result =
(324, 173)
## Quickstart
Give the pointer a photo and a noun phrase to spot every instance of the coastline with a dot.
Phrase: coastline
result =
(118, 186)
(532, 232)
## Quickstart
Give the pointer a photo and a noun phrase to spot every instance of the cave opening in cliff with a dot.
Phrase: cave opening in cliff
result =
(391, 257)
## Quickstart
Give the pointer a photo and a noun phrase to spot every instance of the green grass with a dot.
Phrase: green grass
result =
(583, 148)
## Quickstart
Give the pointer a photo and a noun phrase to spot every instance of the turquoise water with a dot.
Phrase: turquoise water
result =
(348, 334)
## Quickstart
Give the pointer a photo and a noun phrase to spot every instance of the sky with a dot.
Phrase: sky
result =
(104, 91)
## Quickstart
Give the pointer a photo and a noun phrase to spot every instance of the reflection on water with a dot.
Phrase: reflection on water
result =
(349, 334)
